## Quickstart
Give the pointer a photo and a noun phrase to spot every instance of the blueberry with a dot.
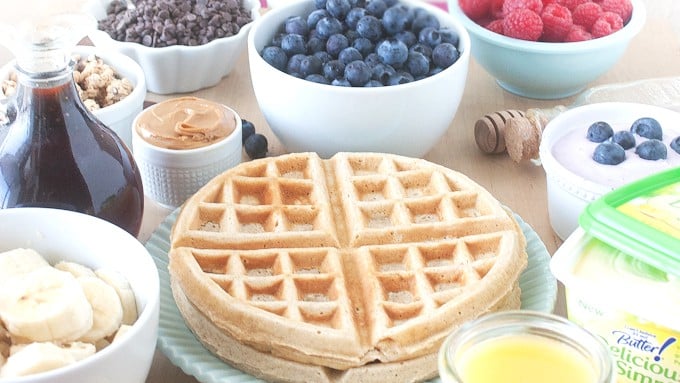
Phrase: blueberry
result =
(294, 63)
(392, 51)
(334, 70)
(624, 138)
(609, 153)
(256, 146)
(320, 4)
(599, 131)
(336, 43)
(296, 25)
(647, 127)
(444, 55)
(310, 65)
(370, 27)
(247, 129)
(341, 82)
(293, 44)
(275, 56)
(363, 45)
(349, 54)
(338, 8)
(353, 17)
(430, 36)
(421, 48)
(675, 144)
(652, 150)
(382, 72)
(372, 59)
(315, 77)
(357, 73)
(395, 19)
(328, 26)
(373, 84)
(315, 16)
(376, 7)
(424, 20)
(449, 36)
(407, 37)
(315, 44)
(323, 56)
(417, 64)
(400, 77)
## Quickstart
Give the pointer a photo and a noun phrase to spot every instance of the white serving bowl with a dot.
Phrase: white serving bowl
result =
(178, 68)
(574, 179)
(407, 119)
(118, 117)
(66, 235)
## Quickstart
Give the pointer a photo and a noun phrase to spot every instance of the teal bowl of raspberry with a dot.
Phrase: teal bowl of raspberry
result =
(556, 51)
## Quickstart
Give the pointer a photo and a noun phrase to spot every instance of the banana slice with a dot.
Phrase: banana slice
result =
(34, 358)
(121, 333)
(19, 261)
(76, 269)
(106, 307)
(79, 350)
(46, 305)
(124, 291)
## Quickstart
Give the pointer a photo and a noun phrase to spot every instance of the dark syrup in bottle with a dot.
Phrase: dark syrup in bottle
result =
(56, 154)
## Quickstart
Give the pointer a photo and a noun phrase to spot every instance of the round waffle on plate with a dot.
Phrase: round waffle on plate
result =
(296, 268)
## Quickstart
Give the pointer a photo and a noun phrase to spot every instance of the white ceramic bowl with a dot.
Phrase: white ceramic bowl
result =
(406, 119)
(178, 68)
(118, 117)
(574, 179)
(544, 70)
(170, 176)
(65, 235)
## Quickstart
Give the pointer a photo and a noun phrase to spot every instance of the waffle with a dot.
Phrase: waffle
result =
(344, 262)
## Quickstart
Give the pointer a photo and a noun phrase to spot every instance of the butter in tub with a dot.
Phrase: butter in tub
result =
(621, 272)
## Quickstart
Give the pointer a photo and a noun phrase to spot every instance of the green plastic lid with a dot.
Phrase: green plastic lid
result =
(641, 219)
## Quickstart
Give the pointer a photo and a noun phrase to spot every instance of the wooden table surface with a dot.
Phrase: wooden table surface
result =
(655, 52)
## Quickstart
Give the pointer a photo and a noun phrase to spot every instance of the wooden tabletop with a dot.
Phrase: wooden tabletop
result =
(655, 52)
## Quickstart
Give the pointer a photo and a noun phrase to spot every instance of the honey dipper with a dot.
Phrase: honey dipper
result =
(514, 131)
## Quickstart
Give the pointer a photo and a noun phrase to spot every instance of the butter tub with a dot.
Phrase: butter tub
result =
(621, 272)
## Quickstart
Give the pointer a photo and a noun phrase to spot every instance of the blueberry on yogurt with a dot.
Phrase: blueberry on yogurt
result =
(624, 138)
(652, 150)
(599, 131)
(647, 127)
(609, 153)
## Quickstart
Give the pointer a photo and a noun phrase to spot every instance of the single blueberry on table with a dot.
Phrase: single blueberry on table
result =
(652, 150)
(647, 127)
(599, 131)
(609, 153)
(256, 146)
(444, 55)
(675, 144)
(624, 138)
(392, 51)
(247, 128)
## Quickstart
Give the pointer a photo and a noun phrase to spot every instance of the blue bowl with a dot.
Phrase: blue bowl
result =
(544, 70)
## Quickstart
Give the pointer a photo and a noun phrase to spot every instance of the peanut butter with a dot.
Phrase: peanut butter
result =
(185, 123)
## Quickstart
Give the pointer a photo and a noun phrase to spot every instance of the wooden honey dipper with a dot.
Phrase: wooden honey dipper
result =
(513, 131)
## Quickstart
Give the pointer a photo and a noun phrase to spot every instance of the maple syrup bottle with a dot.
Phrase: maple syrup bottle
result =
(55, 153)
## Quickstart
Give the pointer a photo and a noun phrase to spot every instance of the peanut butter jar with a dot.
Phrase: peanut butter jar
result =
(181, 143)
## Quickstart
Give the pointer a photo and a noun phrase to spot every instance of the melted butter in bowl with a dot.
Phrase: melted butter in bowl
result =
(185, 123)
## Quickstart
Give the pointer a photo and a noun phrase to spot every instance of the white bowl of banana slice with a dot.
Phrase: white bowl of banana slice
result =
(79, 299)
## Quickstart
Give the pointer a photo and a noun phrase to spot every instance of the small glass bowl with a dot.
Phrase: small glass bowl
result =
(524, 322)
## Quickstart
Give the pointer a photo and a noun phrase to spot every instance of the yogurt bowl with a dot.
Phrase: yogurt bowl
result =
(574, 179)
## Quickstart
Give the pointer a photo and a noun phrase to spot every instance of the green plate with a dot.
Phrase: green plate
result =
(177, 342)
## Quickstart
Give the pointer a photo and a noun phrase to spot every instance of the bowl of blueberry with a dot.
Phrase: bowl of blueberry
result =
(358, 75)
(591, 150)
(548, 49)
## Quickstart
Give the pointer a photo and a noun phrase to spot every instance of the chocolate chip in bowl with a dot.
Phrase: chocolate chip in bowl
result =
(181, 48)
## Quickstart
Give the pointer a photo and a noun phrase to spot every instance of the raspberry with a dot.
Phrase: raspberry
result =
(571, 4)
(623, 8)
(606, 24)
(523, 24)
(556, 22)
(585, 14)
(577, 33)
(497, 9)
(475, 9)
(495, 26)
(533, 5)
